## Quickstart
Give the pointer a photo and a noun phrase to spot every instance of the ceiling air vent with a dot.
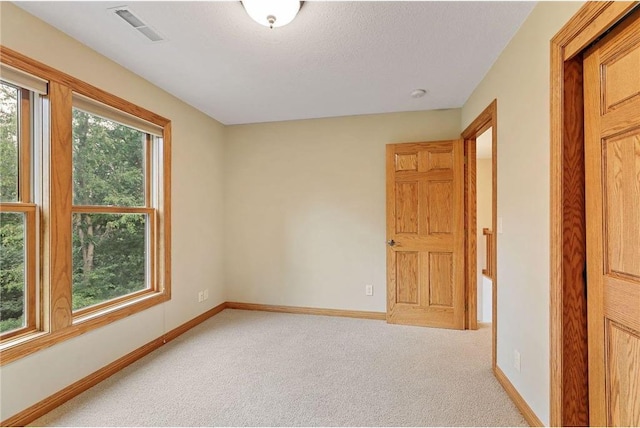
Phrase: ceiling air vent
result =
(127, 15)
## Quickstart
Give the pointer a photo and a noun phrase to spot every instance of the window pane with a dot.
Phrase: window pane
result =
(109, 257)
(12, 275)
(8, 143)
(108, 162)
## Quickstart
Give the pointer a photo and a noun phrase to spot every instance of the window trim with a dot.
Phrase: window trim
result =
(58, 322)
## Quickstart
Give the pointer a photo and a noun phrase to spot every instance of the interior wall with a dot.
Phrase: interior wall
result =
(484, 190)
(197, 223)
(305, 207)
(519, 80)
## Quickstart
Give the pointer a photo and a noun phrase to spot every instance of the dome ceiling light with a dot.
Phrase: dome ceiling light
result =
(272, 13)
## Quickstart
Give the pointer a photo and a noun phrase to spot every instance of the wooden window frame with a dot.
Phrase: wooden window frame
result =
(58, 321)
(25, 206)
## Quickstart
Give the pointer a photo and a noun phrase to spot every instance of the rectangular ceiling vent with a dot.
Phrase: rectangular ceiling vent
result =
(127, 15)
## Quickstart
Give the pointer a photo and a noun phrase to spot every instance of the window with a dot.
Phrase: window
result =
(17, 214)
(84, 207)
(113, 215)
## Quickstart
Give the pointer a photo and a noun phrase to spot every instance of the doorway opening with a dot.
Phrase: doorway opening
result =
(484, 229)
(480, 139)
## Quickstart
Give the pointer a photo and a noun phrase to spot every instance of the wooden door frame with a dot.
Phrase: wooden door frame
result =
(568, 324)
(487, 119)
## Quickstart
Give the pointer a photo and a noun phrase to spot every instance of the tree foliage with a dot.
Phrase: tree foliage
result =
(11, 224)
(109, 249)
(8, 144)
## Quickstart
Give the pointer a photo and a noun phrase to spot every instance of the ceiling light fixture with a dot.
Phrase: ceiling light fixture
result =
(272, 13)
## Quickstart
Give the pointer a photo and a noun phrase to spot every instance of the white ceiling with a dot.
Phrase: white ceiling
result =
(334, 59)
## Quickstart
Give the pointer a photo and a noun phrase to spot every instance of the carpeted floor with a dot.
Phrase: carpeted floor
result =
(244, 368)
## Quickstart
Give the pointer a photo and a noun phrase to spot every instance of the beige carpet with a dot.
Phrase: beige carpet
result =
(265, 369)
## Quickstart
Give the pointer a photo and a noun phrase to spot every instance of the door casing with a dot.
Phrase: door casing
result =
(487, 119)
(568, 362)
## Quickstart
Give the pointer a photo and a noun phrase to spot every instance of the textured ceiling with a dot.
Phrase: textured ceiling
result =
(334, 59)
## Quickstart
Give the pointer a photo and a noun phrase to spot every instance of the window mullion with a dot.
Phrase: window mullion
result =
(60, 199)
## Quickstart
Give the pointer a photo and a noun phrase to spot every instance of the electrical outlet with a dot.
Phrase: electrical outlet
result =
(200, 296)
(516, 360)
(368, 290)
(206, 293)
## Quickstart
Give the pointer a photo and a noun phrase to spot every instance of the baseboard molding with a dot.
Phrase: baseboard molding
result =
(170, 335)
(308, 311)
(43, 407)
(522, 405)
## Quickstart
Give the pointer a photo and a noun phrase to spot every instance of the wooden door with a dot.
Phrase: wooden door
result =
(425, 234)
(612, 171)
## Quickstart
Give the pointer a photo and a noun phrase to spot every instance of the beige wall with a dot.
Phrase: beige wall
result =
(484, 201)
(519, 80)
(305, 207)
(197, 217)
